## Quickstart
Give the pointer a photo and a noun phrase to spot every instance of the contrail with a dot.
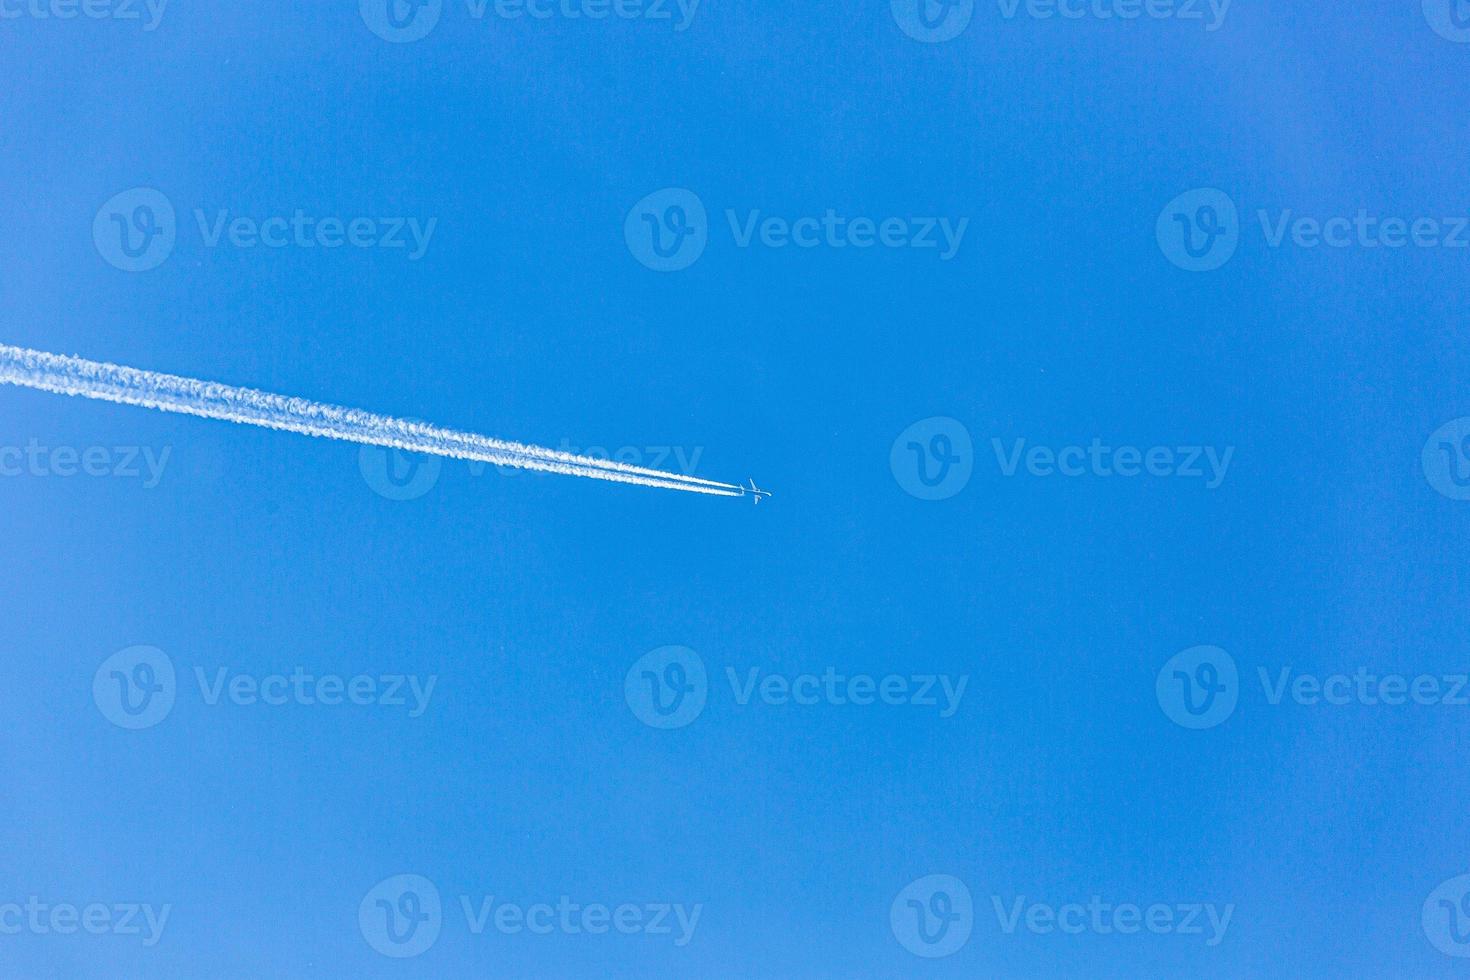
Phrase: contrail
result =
(171, 393)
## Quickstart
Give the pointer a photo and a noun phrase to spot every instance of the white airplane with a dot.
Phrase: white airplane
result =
(756, 491)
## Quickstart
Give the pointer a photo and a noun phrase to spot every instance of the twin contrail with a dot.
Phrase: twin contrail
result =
(171, 393)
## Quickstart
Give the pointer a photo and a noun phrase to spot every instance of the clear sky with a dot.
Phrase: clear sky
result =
(1051, 382)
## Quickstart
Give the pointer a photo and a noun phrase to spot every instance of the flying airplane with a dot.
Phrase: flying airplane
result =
(756, 491)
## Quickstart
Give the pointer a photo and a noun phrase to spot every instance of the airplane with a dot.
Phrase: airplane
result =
(757, 491)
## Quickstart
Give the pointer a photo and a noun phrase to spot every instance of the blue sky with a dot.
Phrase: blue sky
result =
(1252, 441)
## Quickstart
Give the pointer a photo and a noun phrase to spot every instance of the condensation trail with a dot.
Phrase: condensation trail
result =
(171, 393)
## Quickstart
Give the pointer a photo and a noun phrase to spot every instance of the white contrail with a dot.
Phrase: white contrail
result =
(171, 393)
